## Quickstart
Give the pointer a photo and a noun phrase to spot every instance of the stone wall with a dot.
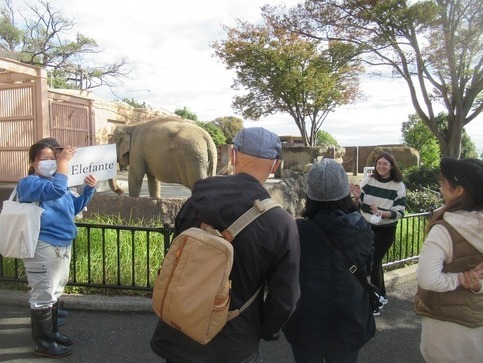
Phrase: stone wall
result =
(289, 192)
(361, 156)
(138, 209)
(297, 158)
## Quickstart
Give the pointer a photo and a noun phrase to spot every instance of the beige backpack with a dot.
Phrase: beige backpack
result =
(192, 290)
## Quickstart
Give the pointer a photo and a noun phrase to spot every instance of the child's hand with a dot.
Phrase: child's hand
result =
(67, 153)
(90, 180)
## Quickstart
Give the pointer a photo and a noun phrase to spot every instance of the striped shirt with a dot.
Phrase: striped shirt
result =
(387, 194)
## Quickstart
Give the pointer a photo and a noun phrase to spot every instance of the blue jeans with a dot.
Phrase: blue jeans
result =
(330, 356)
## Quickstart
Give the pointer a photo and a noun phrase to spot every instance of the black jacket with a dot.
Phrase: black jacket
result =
(333, 308)
(266, 250)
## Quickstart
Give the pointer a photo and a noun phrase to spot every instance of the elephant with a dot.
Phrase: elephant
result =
(168, 149)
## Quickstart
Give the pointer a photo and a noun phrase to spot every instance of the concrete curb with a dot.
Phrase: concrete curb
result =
(85, 302)
(143, 304)
(402, 275)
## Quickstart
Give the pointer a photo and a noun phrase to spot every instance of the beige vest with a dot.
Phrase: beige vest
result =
(460, 306)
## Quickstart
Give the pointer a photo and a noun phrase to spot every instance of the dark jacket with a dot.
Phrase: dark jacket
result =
(265, 251)
(333, 308)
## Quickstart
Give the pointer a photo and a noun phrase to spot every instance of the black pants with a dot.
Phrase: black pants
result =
(383, 240)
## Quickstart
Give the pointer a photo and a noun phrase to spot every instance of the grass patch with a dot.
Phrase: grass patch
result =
(108, 253)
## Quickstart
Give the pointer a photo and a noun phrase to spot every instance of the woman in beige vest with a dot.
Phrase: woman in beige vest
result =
(450, 268)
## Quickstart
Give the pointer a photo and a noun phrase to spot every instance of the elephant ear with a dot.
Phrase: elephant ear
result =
(124, 144)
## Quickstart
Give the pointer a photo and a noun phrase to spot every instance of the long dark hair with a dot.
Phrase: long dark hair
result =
(346, 205)
(34, 152)
(395, 173)
(463, 202)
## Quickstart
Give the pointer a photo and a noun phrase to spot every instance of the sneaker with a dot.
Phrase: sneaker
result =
(376, 312)
(382, 301)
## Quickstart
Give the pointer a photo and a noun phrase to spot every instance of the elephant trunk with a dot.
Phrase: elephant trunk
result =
(115, 187)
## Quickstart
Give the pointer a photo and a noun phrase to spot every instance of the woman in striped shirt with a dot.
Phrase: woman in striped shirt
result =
(382, 197)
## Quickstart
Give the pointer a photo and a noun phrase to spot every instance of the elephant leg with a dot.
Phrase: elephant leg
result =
(135, 181)
(154, 187)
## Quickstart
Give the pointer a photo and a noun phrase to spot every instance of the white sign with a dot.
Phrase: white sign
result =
(99, 160)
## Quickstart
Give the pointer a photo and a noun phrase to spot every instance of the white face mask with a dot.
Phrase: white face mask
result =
(47, 168)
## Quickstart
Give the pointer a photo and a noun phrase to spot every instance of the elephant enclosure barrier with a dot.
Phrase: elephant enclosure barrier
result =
(114, 257)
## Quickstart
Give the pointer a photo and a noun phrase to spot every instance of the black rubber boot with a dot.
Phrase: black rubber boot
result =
(43, 334)
(59, 337)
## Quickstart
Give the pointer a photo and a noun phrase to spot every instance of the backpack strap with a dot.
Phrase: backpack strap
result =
(234, 313)
(259, 207)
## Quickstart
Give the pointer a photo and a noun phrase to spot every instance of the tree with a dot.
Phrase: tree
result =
(434, 45)
(132, 102)
(282, 72)
(418, 136)
(186, 114)
(42, 40)
(229, 125)
(215, 132)
(324, 138)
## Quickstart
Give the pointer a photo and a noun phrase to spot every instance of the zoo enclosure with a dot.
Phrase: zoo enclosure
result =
(115, 257)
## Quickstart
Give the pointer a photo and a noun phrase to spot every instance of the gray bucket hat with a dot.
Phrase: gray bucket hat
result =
(327, 181)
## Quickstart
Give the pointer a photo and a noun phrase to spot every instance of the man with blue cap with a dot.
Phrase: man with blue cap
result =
(267, 251)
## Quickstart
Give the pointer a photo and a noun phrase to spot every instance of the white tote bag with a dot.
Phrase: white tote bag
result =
(19, 228)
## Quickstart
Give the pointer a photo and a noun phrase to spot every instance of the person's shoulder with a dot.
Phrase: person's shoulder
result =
(280, 221)
(32, 178)
(282, 214)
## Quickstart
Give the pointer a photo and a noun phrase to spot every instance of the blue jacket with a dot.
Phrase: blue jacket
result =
(333, 307)
(60, 205)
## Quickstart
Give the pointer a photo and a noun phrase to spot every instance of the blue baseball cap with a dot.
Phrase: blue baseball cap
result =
(258, 142)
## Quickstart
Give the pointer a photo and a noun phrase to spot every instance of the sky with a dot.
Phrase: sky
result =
(173, 66)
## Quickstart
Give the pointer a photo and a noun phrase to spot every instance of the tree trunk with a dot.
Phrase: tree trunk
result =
(452, 148)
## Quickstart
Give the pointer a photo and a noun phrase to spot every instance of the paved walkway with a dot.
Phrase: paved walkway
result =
(115, 329)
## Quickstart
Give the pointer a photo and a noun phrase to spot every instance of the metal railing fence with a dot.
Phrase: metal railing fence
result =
(410, 234)
(117, 257)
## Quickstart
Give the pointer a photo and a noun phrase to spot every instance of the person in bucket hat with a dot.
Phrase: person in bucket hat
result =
(333, 318)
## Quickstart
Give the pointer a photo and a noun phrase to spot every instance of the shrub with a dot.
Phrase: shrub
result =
(422, 189)
(422, 177)
(418, 201)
